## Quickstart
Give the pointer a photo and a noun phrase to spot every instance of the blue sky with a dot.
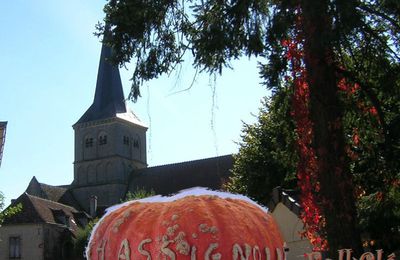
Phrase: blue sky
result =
(48, 67)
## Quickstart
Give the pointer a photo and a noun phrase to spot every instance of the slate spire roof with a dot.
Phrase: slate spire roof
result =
(109, 97)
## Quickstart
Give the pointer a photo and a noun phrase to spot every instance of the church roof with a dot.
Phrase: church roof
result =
(109, 101)
(109, 97)
(169, 179)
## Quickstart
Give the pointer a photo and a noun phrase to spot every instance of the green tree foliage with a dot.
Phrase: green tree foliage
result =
(80, 241)
(372, 125)
(267, 156)
(8, 211)
(139, 193)
(356, 41)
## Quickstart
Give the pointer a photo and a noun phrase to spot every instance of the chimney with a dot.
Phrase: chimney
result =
(93, 206)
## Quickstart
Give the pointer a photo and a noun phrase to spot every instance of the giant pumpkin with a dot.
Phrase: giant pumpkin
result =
(196, 224)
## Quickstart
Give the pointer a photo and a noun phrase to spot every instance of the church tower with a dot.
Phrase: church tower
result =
(110, 141)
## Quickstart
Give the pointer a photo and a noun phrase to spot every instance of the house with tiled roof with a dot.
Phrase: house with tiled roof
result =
(42, 230)
(110, 161)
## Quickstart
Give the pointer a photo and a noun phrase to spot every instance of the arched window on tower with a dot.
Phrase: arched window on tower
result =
(103, 148)
(126, 140)
(136, 153)
(136, 143)
(126, 145)
(103, 139)
(88, 142)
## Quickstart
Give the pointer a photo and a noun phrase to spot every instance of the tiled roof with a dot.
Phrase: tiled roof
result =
(53, 193)
(289, 198)
(39, 210)
(59, 194)
(169, 179)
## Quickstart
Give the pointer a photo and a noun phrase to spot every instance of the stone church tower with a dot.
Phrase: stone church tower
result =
(110, 141)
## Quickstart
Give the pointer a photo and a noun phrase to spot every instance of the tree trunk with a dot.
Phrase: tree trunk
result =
(336, 196)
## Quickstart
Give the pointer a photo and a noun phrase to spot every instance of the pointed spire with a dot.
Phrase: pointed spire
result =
(109, 97)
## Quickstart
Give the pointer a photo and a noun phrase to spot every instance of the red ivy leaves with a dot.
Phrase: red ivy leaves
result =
(352, 89)
(307, 165)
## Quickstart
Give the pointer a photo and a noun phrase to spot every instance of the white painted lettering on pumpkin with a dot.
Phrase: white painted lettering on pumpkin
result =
(237, 249)
(124, 252)
(193, 253)
(267, 253)
(165, 250)
(100, 250)
(142, 251)
(345, 252)
(379, 254)
(256, 252)
(367, 256)
(209, 250)
(279, 254)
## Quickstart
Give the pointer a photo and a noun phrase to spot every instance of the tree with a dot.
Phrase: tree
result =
(266, 159)
(8, 211)
(1, 206)
(267, 156)
(313, 46)
(139, 193)
(80, 241)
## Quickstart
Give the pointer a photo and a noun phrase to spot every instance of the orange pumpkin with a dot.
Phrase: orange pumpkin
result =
(212, 225)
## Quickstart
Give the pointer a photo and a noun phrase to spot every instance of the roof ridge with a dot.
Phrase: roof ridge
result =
(189, 161)
(281, 195)
(53, 186)
(51, 201)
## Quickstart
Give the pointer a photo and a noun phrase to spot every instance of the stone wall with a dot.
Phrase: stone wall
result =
(38, 241)
(32, 240)
(107, 151)
(107, 195)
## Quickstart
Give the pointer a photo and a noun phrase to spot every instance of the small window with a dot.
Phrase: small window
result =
(102, 140)
(89, 142)
(15, 247)
(126, 140)
(136, 143)
(60, 217)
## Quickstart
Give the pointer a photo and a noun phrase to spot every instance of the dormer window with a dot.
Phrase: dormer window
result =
(103, 139)
(89, 142)
(126, 140)
(60, 217)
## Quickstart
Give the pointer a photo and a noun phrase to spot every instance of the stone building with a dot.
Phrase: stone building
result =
(110, 161)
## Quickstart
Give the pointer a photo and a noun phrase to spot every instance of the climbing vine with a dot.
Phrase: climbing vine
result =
(307, 165)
